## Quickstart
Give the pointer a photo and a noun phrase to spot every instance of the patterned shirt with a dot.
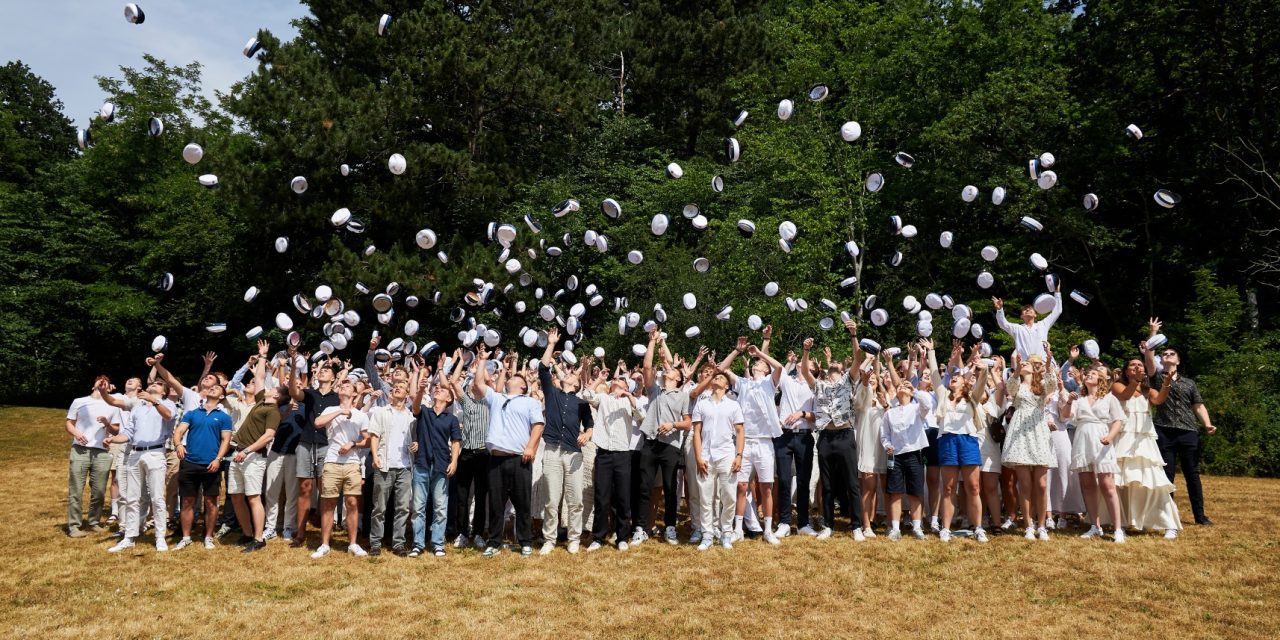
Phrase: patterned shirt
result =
(833, 402)
(475, 422)
(1178, 411)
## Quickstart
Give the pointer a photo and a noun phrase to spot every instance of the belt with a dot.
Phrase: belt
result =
(831, 429)
(149, 448)
(503, 454)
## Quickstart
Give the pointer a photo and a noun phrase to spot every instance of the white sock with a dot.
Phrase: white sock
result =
(915, 525)
(737, 524)
(933, 521)
(893, 526)
(768, 525)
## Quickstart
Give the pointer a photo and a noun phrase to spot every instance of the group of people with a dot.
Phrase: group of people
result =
(452, 453)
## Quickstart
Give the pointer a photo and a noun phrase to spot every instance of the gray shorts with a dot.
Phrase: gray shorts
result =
(309, 459)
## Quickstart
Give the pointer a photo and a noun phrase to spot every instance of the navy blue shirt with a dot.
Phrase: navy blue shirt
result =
(434, 433)
(566, 414)
(315, 404)
(204, 433)
(290, 430)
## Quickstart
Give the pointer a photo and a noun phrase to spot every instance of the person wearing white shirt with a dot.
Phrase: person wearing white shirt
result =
(391, 445)
(960, 416)
(144, 434)
(347, 430)
(618, 415)
(718, 442)
(794, 452)
(903, 438)
(90, 421)
(1030, 336)
(1099, 420)
(755, 395)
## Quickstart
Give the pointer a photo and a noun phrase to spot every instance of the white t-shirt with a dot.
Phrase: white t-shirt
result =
(756, 400)
(718, 420)
(394, 428)
(344, 430)
(796, 396)
(85, 412)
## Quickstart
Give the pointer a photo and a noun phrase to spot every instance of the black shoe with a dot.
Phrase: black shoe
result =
(253, 545)
(375, 551)
(244, 540)
(1204, 521)
(399, 551)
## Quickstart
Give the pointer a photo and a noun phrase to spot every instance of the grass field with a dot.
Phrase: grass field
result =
(1212, 582)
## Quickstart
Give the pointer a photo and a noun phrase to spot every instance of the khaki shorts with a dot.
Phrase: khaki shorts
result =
(341, 480)
(247, 477)
(117, 455)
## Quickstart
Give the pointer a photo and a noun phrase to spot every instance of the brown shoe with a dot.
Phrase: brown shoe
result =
(97, 528)
(297, 541)
(76, 533)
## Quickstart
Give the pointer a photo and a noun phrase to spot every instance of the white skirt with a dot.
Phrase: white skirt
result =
(990, 450)
(1088, 454)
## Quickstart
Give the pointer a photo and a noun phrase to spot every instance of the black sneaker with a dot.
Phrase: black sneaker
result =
(399, 551)
(438, 551)
(375, 551)
(253, 545)
(244, 540)
(1204, 521)
(417, 551)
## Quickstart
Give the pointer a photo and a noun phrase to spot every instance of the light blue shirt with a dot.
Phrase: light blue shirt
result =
(146, 427)
(511, 420)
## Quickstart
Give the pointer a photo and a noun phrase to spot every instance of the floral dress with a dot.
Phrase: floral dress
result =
(1026, 440)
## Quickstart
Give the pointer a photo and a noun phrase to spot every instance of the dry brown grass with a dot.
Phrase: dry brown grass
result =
(1214, 582)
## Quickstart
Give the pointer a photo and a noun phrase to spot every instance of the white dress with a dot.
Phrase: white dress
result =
(987, 446)
(1026, 441)
(1093, 418)
(1146, 494)
(871, 456)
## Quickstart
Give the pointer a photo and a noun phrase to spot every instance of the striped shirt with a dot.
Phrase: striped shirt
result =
(475, 422)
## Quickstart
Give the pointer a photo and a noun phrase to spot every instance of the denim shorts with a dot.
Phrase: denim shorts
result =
(907, 474)
(958, 450)
(931, 451)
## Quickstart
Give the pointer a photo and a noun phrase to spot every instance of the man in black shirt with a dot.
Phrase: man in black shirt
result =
(1178, 435)
(569, 426)
(313, 443)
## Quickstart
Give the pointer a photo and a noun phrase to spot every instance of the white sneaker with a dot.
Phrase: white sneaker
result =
(547, 548)
(1030, 534)
(161, 545)
(126, 543)
(320, 552)
(1119, 536)
(933, 525)
(460, 542)
(1093, 532)
(478, 541)
(356, 550)
(1049, 523)
(945, 535)
(594, 546)
(736, 536)
(1043, 534)
(705, 544)
(223, 530)
(770, 538)
(783, 531)
(639, 536)
(858, 536)
(980, 535)
(808, 530)
(622, 546)
(1171, 534)
(671, 536)
(825, 533)
(268, 534)
(868, 533)
(208, 543)
(183, 544)
(726, 543)
(918, 533)
(1007, 524)
(574, 545)
(895, 535)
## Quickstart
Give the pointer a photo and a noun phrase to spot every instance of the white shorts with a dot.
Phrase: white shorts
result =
(247, 477)
(757, 456)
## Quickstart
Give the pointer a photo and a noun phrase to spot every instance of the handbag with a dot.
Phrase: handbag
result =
(997, 425)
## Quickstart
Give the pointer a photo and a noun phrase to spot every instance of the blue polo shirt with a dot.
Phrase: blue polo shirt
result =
(204, 433)
(567, 415)
(434, 432)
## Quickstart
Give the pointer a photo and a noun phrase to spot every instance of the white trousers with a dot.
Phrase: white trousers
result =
(690, 474)
(282, 475)
(140, 466)
(719, 481)
(562, 473)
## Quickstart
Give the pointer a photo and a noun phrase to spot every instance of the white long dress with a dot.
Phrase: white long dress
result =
(1146, 495)
(870, 415)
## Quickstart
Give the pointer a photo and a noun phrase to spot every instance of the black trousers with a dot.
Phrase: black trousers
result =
(470, 480)
(657, 456)
(510, 479)
(1182, 447)
(838, 466)
(612, 489)
(793, 457)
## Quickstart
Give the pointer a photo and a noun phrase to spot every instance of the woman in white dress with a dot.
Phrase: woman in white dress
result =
(1145, 491)
(869, 405)
(990, 449)
(1098, 418)
(1027, 448)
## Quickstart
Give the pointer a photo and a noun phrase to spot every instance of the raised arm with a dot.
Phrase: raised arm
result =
(894, 379)
(480, 382)
(805, 371)
(647, 368)
(162, 371)
(1053, 315)
(767, 338)
(727, 364)
(774, 365)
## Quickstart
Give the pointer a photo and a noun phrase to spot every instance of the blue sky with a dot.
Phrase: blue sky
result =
(69, 42)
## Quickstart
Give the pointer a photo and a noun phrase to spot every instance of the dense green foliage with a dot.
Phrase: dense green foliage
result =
(504, 109)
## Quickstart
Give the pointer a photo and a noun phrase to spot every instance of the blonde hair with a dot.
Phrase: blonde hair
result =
(1104, 385)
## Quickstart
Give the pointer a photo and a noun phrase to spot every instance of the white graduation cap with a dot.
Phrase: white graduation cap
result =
(879, 317)
(742, 117)
(746, 228)
(1044, 303)
(787, 230)
(512, 266)
(997, 195)
(771, 289)
(1090, 201)
(323, 293)
(849, 282)
(870, 346)
(208, 180)
(909, 231)
(134, 14)
(875, 182)
(754, 322)
(1166, 198)
(1081, 297)
(252, 47)
(818, 93)
(284, 322)
(969, 193)
(990, 253)
(904, 159)
(192, 153)
(985, 279)
(961, 328)
(298, 184)
(383, 23)
(166, 281)
(254, 333)
(692, 332)
(826, 323)
(639, 350)
(701, 265)
(1132, 131)
(945, 239)
(690, 211)
(611, 208)
(1156, 341)
(690, 301)
(850, 131)
(1047, 179)
(159, 344)
(717, 184)
(933, 301)
(340, 217)
(1090, 348)
(723, 313)
(155, 127)
(565, 207)
(785, 109)
(1047, 160)
(634, 256)
(1038, 262)
(251, 294)
(425, 238)
(396, 164)
(674, 171)
(732, 150)
(851, 247)
(1031, 223)
(976, 331)
(658, 225)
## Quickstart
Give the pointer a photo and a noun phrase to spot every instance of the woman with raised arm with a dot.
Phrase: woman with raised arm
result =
(872, 459)
(903, 438)
(990, 468)
(1027, 447)
(1099, 419)
(1146, 494)
(960, 416)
